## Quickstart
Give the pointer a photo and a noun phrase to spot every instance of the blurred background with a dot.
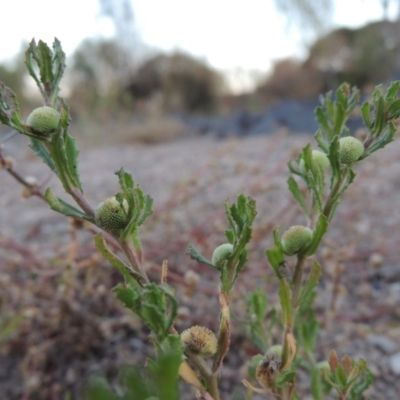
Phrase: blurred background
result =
(201, 67)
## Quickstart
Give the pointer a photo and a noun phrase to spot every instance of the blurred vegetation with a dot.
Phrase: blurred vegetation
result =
(363, 57)
(120, 79)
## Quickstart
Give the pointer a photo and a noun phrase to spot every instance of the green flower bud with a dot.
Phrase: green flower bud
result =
(199, 340)
(221, 253)
(276, 349)
(324, 365)
(318, 159)
(43, 120)
(295, 239)
(350, 149)
(110, 216)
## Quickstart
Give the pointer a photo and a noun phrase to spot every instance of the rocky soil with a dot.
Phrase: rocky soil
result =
(73, 327)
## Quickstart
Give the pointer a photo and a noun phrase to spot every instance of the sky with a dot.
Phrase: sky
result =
(239, 37)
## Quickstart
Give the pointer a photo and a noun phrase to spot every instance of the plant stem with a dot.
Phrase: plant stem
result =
(130, 254)
(82, 201)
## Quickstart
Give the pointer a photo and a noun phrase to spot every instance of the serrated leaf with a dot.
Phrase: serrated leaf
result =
(147, 209)
(297, 194)
(51, 64)
(63, 207)
(380, 117)
(393, 111)
(385, 138)
(392, 91)
(366, 114)
(149, 303)
(322, 144)
(72, 153)
(40, 150)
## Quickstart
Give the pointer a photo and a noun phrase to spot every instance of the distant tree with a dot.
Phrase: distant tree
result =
(98, 70)
(315, 17)
(184, 82)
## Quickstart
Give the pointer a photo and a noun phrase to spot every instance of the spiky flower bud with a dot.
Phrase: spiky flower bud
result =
(110, 216)
(221, 253)
(43, 120)
(295, 239)
(268, 369)
(318, 159)
(200, 341)
(350, 149)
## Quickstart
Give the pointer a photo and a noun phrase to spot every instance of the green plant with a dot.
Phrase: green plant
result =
(119, 218)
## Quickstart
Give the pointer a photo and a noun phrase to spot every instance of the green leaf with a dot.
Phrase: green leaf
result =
(149, 303)
(99, 389)
(40, 149)
(385, 138)
(380, 117)
(297, 194)
(393, 111)
(257, 306)
(283, 378)
(286, 302)
(366, 114)
(63, 207)
(323, 145)
(194, 254)
(10, 113)
(392, 91)
(64, 154)
(165, 370)
(72, 152)
(320, 229)
(340, 376)
(130, 275)
(362, 385)
(322, 120)
(51, 65)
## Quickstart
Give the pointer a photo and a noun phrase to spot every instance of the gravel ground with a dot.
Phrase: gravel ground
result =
(190, 179)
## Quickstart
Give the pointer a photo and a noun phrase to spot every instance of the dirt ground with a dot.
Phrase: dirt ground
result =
(73, 327)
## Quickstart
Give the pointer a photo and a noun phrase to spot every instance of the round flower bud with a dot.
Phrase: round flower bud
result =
(276, 349)
(199, 340)
(221, 253)
(318, 159)
(350, 149)
(295, 239)
(43, 120)
(110, 216)
(324, 365)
